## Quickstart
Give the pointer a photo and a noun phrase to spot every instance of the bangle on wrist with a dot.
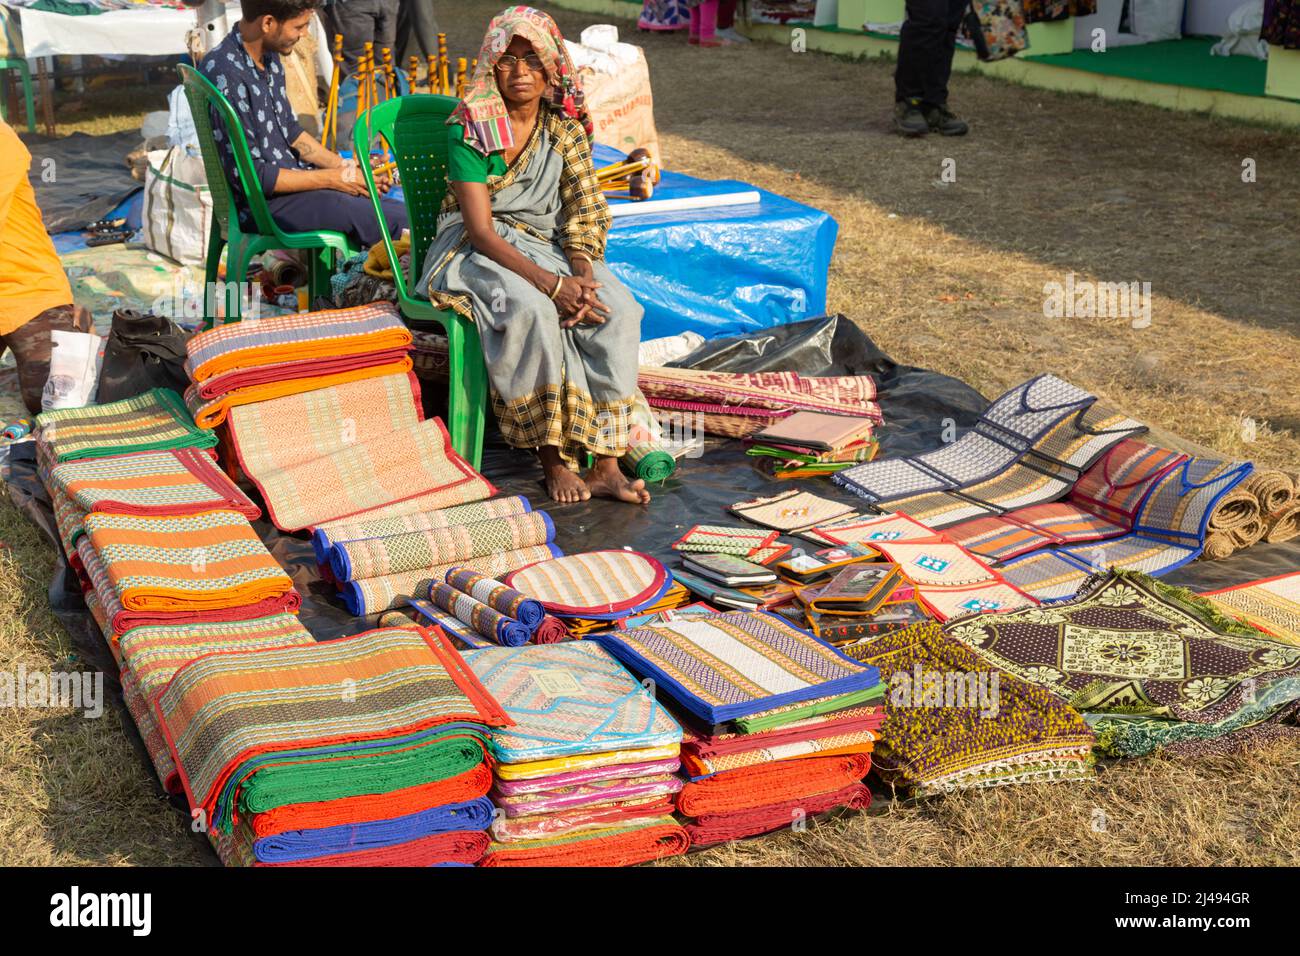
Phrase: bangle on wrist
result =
(579, 254)
(559, 284)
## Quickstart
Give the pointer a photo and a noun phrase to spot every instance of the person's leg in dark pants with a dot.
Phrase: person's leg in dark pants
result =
(32, 345)
(417, 30)
(329, 209)
(386, 31)
(356, 21)
(925, 50)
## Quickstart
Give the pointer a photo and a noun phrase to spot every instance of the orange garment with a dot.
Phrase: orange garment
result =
(31, 276)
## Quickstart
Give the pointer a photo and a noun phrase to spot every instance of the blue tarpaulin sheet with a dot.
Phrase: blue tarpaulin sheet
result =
(723, 271)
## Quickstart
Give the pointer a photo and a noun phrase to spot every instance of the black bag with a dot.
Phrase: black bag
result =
(143, 352)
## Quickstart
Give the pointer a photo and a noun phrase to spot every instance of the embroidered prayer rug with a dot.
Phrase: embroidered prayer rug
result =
(1131, 645)
(946, 731)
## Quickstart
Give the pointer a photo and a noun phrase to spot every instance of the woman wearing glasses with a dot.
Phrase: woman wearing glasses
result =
(520, 249)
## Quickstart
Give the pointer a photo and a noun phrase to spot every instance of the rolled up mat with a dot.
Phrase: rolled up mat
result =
(468, 785)
(293, 846)
(649, 462)
(720, 828)
(1249, 533)
(1274, 489)
(639, 842)
(373, 595)
(498, 596)
(453, 627)
(771, 783)
(1236, 508)
(487, 621)
(1219, 545)
(551, 631)
(413, 550)
(1285, 526)
(324, 537)
(155, 744)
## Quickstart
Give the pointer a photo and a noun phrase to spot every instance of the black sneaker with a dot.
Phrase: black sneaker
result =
(908, 118)
(943, 121)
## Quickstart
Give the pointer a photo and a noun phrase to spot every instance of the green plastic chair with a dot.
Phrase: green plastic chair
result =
(414, 131)
(225, 219)
(25, 77)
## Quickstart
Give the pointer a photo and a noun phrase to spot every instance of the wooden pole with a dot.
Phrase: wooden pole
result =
(462, 70)
(432, 76)
(47, 95)
(390, 78)
(412, 73)
(330, 135)
(444, 84)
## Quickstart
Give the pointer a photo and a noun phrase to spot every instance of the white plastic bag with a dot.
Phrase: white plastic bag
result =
(75, 360)
(177, 212)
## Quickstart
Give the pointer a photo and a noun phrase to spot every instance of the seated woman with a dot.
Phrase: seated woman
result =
(519, 250)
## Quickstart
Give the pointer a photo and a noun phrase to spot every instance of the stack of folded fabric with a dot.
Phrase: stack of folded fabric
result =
(586, 776)
(243, 362)
(480, 611)
(358, 450)
(154, 421)
(378, 573)
(737, 405)
(813, 444)
(1148, 665)
(367, 750)
(955, 722)
(778, 722)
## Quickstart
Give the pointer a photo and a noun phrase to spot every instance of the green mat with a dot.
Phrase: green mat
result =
(1185, 62)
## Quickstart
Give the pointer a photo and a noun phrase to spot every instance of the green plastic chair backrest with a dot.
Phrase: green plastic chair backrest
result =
(201, 94)
(413, 129)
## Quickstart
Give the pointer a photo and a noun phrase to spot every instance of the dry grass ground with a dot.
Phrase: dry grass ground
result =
(946, 275)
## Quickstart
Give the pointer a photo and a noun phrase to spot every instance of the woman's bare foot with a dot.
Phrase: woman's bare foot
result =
(561, 484)
(606, 481)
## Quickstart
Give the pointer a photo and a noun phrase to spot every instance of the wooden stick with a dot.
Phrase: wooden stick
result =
(444, 85)
(330, 135)
(412, 73)
(462, 69)
(390, 78)
(432, 76)
(47, 96)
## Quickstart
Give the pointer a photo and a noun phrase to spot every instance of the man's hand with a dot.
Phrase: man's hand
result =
(346, 178)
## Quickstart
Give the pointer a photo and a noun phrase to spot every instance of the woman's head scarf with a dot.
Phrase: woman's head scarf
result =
(483, 111)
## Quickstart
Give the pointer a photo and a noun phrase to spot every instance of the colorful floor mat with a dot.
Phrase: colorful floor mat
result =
(153, 421)
(627, 845)
(180, 481)
(736, 664)
(1270, 604)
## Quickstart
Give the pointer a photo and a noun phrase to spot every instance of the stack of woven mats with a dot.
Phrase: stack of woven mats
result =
(955, 722)
(737, 405)
(160, 537)
(244, 362)
(363, 751)
(360, 448)
(780, 725)
(586, 776)
(1148, 665)
(383, 563)
(480, 611)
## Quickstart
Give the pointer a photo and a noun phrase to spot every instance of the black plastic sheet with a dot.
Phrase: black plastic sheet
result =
(919, 407)
(87, 179)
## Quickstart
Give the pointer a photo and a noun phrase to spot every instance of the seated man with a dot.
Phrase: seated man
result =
(35, 298)
(307, 186)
